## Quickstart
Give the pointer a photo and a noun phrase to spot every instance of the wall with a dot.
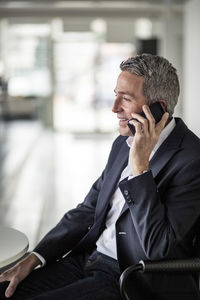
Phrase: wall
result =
(192, 65)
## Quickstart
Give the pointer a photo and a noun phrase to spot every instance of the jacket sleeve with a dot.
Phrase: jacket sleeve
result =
(164, 219)
(76, 222)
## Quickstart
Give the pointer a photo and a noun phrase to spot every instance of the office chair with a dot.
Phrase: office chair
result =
(175, 266)
(169, 266)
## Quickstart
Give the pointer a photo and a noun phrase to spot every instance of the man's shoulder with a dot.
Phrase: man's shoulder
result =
(189, 135)
(190, 142)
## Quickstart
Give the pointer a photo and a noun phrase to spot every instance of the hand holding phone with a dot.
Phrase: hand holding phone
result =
(157, 111)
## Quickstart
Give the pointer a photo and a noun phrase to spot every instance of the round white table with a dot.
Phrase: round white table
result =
(13, 245)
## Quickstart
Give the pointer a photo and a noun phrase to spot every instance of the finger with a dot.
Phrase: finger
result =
(6, 275)
(160, 125)
(11, 288)
(138, 126)
(3, 277)
(141, 120)
(138, 117)
(150, 117)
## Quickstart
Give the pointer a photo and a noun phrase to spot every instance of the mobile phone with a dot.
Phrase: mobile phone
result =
(157, 111)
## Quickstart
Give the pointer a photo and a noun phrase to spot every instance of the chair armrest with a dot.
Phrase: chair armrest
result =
(168, 266)
(177, 265)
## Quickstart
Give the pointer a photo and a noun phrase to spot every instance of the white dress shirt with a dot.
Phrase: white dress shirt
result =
(106, 243)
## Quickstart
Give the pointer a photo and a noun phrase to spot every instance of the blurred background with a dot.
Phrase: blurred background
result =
(59, 61)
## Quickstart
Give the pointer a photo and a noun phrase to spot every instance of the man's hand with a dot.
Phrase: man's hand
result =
(17, 273)
(145, 139)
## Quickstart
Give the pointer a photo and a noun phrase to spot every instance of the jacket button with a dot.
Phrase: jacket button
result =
(129, 200)
(126, 192)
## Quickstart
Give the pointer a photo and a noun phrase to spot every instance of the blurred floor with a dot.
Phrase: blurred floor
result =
(43, 174)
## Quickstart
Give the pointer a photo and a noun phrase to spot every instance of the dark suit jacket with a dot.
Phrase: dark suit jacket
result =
(159, 217)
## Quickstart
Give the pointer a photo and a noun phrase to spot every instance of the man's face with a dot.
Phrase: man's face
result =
(129, 99)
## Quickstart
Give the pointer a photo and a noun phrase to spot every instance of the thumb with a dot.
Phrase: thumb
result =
(11, 288)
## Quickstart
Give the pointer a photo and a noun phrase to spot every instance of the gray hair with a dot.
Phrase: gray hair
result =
(160, 78)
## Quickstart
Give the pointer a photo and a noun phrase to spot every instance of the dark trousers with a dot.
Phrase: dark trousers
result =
(94, 277)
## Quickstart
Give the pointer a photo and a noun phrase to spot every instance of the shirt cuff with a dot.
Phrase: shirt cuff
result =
(133, 176)
(41, 258)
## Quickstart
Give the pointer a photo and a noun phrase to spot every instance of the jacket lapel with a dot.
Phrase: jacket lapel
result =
(111, 180)
(168, 148)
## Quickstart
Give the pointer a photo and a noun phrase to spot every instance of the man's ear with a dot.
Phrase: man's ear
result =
(164, 103)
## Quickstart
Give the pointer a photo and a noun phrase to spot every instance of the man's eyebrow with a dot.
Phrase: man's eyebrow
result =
(124, 93)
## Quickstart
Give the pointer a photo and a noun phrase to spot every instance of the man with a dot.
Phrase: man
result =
(145, 205)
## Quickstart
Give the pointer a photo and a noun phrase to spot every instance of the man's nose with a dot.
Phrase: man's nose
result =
(116, 106)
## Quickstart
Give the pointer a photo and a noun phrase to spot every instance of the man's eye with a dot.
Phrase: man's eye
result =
(126, 99)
